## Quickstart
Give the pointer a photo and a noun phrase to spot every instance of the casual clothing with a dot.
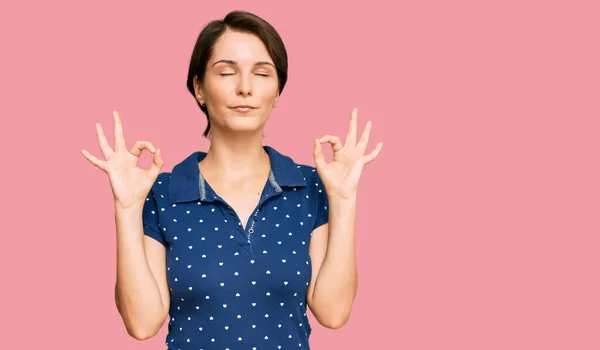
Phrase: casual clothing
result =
(235, 288)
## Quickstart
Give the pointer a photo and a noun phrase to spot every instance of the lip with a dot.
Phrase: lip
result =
(243, 108)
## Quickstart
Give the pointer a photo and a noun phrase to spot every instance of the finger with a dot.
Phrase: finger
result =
(139, 147)
(318, 155)
(157, 163)
(107, 152)
(351, 136)
(97, 162)
(119, 138)
(371, 156)
(364, 139)
(335, 142)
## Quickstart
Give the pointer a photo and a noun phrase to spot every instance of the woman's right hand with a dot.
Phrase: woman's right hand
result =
(130, 184)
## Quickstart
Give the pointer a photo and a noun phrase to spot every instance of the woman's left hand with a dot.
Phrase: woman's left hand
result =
(341, 176)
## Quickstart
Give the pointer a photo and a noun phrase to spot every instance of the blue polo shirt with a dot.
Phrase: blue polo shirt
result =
(234, 287)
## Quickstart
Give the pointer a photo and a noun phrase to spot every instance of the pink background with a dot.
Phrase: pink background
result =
(478, 224)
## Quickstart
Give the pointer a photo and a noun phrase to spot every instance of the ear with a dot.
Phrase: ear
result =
(198, 90)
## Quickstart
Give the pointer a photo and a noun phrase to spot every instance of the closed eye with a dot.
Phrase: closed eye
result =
(226, 74)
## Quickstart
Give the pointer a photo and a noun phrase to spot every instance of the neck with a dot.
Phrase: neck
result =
(232, 157)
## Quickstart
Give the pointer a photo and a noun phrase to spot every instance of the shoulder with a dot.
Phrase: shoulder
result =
(182, 175)
(314, 187)
(283, 161)
(160, 187)
(311, 175)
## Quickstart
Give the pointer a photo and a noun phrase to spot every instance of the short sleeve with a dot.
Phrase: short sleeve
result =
(150, 219)
(322, 202)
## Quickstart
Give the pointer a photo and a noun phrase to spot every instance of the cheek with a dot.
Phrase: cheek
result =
(217, 90)
(268, 91)
(218, 94)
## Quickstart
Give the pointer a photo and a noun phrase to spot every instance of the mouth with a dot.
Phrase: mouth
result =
(243, 108)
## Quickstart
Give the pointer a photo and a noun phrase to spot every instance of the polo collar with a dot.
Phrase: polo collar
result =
(187, 184)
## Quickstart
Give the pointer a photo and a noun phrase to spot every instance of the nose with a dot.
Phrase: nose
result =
(244, 87)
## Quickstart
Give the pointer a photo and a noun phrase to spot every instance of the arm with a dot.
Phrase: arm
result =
(141, 292)
(334, 282)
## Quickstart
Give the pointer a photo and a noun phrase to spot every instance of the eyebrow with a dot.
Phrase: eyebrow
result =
(259, 63)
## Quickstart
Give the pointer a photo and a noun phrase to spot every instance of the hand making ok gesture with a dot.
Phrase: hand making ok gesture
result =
(130, 184)
(341, 176)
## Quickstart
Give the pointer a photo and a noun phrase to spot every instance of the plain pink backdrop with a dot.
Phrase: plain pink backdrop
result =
(477, 225)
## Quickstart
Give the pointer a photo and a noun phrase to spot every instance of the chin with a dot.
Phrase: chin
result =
(244, 125)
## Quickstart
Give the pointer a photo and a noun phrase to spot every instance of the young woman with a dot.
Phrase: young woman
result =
(236, 243)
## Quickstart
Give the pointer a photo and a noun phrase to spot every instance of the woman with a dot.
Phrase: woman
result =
(234, 244)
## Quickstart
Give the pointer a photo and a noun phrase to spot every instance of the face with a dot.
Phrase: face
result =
(240, 85)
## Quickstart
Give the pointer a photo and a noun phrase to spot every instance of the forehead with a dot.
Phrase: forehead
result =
(240, 46)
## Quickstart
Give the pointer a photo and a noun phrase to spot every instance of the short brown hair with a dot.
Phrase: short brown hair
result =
(238, 21)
